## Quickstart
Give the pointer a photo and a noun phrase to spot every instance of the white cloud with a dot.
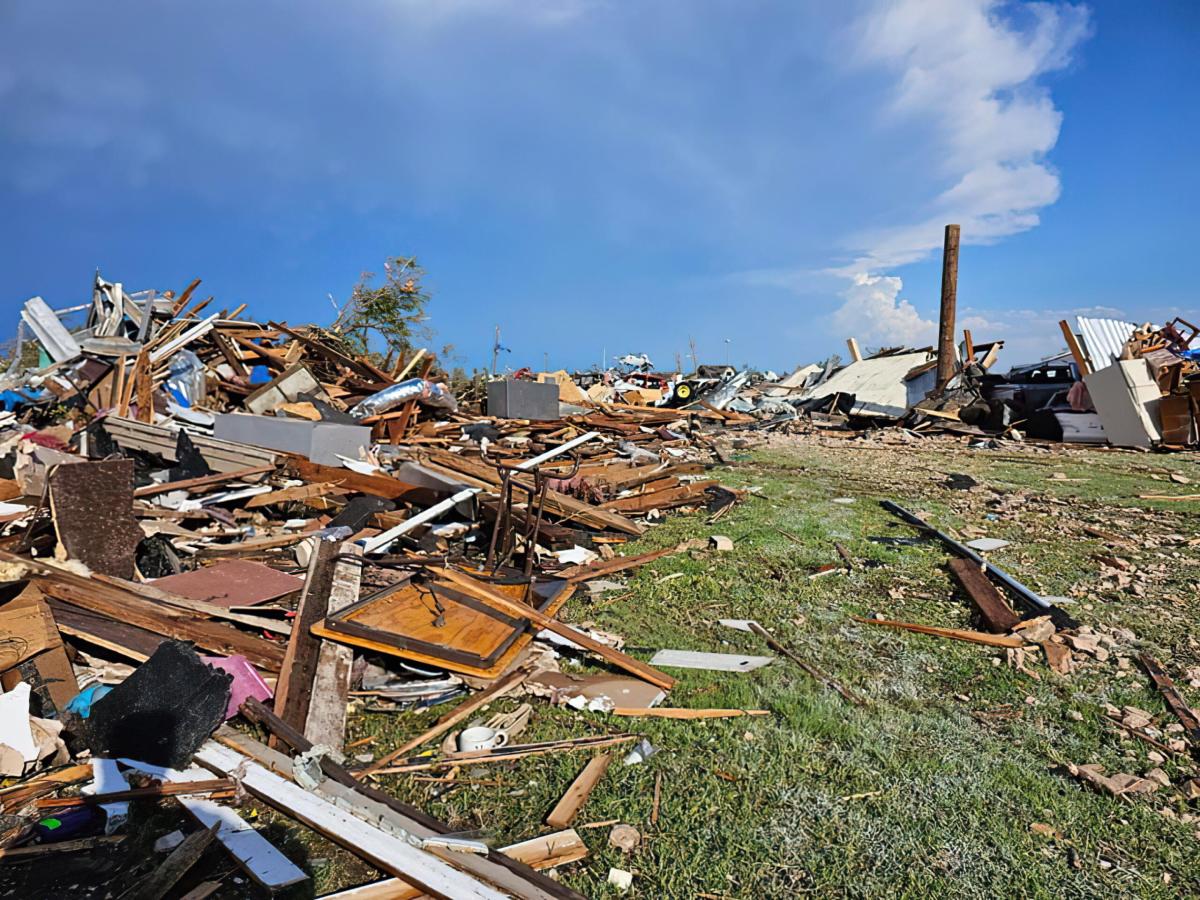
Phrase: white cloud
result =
(969, 74)
(874, 312)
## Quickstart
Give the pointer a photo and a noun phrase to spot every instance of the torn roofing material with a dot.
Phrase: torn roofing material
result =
(1103, 339)
(878, 384)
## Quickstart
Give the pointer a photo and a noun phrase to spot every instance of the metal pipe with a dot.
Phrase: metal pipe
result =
(1032, 598)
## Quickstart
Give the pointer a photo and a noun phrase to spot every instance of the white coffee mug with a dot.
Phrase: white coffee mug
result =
(481, 737)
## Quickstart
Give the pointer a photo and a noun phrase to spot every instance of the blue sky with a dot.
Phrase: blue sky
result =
(612, 176)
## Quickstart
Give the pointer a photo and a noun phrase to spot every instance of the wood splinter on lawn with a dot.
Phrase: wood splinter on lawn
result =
(808, 667)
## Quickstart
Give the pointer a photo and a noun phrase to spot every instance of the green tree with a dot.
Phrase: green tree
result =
(393, 309)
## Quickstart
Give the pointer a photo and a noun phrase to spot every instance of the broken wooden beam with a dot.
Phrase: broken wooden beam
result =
(998, 617)
(577, 794)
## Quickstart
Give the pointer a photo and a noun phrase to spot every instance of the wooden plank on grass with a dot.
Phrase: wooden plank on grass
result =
(577, 794)
(958, 634)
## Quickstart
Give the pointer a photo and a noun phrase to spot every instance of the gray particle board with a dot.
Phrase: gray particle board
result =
(713, 662)
(321, 442)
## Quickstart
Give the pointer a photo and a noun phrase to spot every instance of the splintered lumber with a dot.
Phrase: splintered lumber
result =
(210, 786)
(175, 866)
(377, 807)
(299, 492)
(253, 853)
(19, 794)
(997, 615)
(604, 568)
(510, 752)
(326, 722)
(144, 387)
(562, 506)
(203, 481)
(460, 713)
(126, 607)
(958, 634)
(1170, 693)
(378, 485)
(498, 601)
(252, 548)
(664, 499)
(579, 791)
(33, 851)
(387, 852)
(808, 667)
(545, 852)
(666, 712)
(295, 687)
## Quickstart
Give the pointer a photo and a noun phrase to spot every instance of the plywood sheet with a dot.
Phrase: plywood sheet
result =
(232, 582)
(437, 620)
(394, 645)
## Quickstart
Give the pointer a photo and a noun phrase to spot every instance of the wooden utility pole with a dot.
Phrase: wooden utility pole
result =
(945, 359)
(495, 350)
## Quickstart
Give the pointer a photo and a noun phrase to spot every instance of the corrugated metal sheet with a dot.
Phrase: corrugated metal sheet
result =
(1103, 339)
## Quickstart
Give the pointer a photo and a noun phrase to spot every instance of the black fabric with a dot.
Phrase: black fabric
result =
(358, 512)
(163, 712)
(188, 461)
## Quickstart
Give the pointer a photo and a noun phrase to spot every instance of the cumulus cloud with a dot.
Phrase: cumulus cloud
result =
(874, 311)
(967, 71)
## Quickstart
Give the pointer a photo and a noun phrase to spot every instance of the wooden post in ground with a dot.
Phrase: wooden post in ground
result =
(945, 360)
(855, 353)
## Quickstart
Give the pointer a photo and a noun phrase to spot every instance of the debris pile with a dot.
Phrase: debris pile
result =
(210, 523)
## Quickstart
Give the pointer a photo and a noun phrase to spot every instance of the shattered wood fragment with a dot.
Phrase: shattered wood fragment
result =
(997, 616)
(293, 691)
(461, 713)
(1170, 693)
(577, 794)
(808, 667)
(175, 866)
(1058, 656)
(958, 634)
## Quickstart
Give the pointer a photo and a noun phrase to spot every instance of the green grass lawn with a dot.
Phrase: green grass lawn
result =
(932, 788)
